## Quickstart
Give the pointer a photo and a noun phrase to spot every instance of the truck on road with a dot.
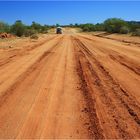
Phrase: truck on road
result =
(59, 30)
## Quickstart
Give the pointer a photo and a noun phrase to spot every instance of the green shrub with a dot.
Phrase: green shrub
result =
(18, 28)
(136, 33)
(44, 29)
(113, 25)
(34, 36)
(85, 29)
(88, 27)
(36, 26)
(4, 27)
(99, 27)
(133, 25)
(124, 30)
(29, 32)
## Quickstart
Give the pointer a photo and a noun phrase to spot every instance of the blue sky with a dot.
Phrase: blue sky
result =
(65, 12)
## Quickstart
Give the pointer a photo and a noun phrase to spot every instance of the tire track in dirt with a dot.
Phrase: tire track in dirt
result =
(122, 59)
(109, 46)
(27, 72)
(12, 97)
(128, 102)
(20, 64)
(129, 58)
(63, 89)
(95, 129)
(132, 100)
(20, 54)
(126, 77)
(116, 56)
(124, 41)
(55, 112)
(127, 63)
(17, 53)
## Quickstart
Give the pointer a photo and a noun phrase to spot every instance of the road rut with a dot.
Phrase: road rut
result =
(70, 86)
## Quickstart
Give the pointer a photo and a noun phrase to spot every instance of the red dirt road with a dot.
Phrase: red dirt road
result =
(70, 86)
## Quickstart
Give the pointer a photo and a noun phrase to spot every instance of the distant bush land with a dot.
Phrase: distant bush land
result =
(111, 25)
(20, 29)
(34, 36)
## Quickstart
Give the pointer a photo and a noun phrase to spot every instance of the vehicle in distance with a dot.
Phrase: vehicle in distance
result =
(58, 30)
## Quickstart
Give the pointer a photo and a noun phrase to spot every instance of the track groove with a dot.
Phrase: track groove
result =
(95, 129)
(20, 52)
(116, 89)
(70, 86)
(126, 63)
(34, 66)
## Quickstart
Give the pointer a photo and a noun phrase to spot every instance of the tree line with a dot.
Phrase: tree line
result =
(111, 25)
(20, 29)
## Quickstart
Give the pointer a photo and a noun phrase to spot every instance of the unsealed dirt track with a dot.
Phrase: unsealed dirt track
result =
(71, 86)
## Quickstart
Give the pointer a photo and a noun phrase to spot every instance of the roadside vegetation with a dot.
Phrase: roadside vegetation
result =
(20, 29)
(112, 25)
